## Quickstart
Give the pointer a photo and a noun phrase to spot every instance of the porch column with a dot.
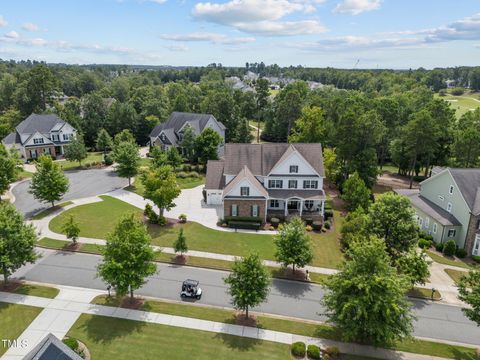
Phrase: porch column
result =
(323, 207)
(286, 207)
(301, 206)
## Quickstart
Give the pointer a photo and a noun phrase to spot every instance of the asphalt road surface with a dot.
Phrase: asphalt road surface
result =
(287, 298)
(83, 183)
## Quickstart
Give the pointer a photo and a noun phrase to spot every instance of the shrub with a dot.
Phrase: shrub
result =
(424, 243)
(333, 351)
(150, 214)
(449, 248)
(182, 175)
(308, 228)
(194, 174)
(317, 225)
(313, 352)
(108, 160)
(182, 218)
(457, 91)
(442, 92)
(275, 222)
(71, 343)
(328, 214)
(187, 167)
(327, 225)
(439, 247)
(161, 220)
(308, 221)
(461, 253)
(244, 225)
(476, 258)
(271, 228)
(243, 218)
(298, 349)
(326, 357)
(328, 204)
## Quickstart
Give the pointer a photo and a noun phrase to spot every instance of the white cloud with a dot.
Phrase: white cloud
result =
(12, 35)
(262, 17)
(30, 26)
(177, 47)
(3, 22)
(207, 37)
(32, 42)
(356, 7)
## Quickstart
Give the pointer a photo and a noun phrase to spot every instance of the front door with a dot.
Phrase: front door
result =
(476, 246)
(292, 205)
(33, 154)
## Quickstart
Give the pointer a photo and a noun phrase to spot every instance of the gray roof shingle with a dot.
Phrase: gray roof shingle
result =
(468, 181)
(215, 179)
(37, 122)
(51, 348)
(12, 138)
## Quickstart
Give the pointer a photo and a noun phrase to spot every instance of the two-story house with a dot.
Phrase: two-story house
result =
(447, 206)
(40, 134)
(268, 180)
(170, 133)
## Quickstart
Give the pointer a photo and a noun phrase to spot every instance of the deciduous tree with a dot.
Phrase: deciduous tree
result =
(161, 187)
(104, 141)
(71, 229)
(188, 143)
(76, 150)
(127, 158)
(355, 193)
(8, 169)
(49, 183)
(207, 144)
(469, 292)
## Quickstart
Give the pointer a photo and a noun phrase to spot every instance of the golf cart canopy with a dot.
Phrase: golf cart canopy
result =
(193, 283)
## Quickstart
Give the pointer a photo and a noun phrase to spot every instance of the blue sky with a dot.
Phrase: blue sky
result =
(379, 33)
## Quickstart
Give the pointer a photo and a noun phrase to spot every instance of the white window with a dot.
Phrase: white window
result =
(47, 151)
(420, 222)
(55, 137)
(245, 191)
(310, 184)
(451, 232)
(434, 228)
(255, 210)
(427, 222)
(274, 203)
(38, 141)
(234, 210)
(450, 190)
(293, 169)
(292, 184)
(308, 204)
(449, 207)
(67, 137)
(275, 184)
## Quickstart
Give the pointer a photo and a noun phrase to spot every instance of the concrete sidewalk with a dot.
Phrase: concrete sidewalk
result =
(61, 313)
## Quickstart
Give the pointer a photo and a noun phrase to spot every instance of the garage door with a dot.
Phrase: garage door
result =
(214, 198)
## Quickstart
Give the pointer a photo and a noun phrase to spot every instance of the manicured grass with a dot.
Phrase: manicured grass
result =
(449, 261)
(186, 183)
(117, 339)
(63, 245)
(461, 104)
(389, 168)
(93, 157)
(424, 293)
(14, 319)
(37, 290)
(44, 213)
(291, 326)
(455, 274)
(23, 174)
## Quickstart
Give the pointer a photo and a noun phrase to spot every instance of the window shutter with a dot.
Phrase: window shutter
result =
(478, 224)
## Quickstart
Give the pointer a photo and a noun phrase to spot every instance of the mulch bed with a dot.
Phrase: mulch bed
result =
(12, 286)
(240, 319)
(135, 304)
(289, 274)
(72, 247)
(180, 259)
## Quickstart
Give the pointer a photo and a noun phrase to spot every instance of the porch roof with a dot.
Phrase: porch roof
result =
(284, 194)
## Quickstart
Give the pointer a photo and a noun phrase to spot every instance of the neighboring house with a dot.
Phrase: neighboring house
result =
(40, 134)
(51, 348)
(170, 133)
(448, 207)
(268, 180)
(238, 84)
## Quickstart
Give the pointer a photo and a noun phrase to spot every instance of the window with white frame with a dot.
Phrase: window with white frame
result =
(255, 210)
(67, 137)
(452, 233)
(420, 222)
(38, 141)
(310, 184)
(55, 137)
(293, 169)
(292, 184)
(274, 204)
(244, 191)
(434, 228)
(234, 209)
(275, 184)
(450, 190)
(449, 207)
(308, 204)
(427, 222)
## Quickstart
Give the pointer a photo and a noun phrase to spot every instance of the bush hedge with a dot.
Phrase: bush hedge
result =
(333, 351)
(449, 248)
(299, 349)
(461, 253)
(71, 343)
(244, 225)
(476, 258)
(424, 243)
(328, 214)
(317, 225)
(151, 214)
(327, 225)
(275, 222)
(108, 160)
(243, 218)
(328, 204)
(439, 247)
(313, 352)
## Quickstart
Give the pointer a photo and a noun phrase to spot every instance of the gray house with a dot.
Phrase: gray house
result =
(447, 206)
(170, 133)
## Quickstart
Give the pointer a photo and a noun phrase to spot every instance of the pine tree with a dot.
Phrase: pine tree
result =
(104, 141)
(188, 143)
(49, 183)
(180, 244)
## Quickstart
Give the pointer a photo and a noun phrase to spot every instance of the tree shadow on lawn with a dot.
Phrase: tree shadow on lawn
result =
(104, 329)
(238, 343)
(462, 355)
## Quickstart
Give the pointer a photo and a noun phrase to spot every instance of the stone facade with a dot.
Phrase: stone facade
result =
(471, 233)
(244, 207)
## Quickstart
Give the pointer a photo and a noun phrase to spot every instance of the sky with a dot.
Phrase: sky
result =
(398, 34)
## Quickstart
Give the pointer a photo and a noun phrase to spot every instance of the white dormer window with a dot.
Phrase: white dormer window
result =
(244, 191)
(292, 184)
(67, 137)
(55, 137)
(450, 190)
(293, 169)
(449, 207)
(38, 141)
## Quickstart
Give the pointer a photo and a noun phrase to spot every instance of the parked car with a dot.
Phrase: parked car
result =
(190, 289)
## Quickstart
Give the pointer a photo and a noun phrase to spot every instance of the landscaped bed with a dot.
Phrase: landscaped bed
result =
(14, 319)
(98, 219)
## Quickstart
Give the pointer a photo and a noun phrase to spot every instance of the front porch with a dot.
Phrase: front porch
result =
(305, 208)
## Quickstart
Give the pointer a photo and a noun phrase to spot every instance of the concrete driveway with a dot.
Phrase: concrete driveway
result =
(83, 183)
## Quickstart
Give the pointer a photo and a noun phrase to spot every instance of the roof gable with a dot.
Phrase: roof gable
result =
(245, 175)
(177, 120)
(37, 135)
(290, 153)
(42, 123)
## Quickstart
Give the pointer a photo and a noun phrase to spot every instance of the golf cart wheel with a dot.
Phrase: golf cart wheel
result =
(182, 295)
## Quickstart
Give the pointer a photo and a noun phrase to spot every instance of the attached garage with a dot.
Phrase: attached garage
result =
(214, 197)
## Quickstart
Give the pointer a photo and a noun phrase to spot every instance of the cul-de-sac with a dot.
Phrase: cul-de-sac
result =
(239, 180)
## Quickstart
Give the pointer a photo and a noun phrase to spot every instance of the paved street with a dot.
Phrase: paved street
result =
(286, 297)
(84, 183)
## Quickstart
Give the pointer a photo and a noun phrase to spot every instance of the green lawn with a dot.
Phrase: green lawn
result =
(23, 174)
(291, 326)
(98, 219)
(455, 274)
(93, 157)
(14, 319)
(424, 293)
(117, 339)
(44, 213)
(63, 245)
(449, 261)
(186, 183)
(37, 290)
(461, 104)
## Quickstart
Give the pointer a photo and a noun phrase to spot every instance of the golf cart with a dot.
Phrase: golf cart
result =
(190, 289)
